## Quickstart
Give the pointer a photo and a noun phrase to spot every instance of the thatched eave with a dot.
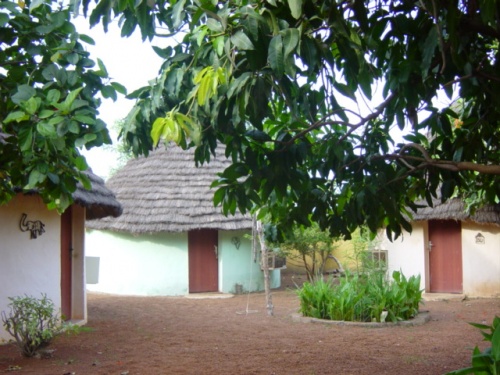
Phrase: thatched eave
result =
(167, 192)
(99, 201)
(454, 209)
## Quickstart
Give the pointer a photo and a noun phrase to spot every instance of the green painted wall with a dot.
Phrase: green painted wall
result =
(157, 265)
(237, 270)
(148, 265)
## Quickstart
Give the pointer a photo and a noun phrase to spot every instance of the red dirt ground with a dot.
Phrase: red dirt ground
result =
(176, 335)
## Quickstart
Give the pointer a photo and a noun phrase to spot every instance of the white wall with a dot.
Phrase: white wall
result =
(28, 266)
(408, 253)
(148, 265)
(481, 261)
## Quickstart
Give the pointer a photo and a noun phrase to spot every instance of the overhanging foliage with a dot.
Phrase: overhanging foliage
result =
(48, 103)
(282, 83)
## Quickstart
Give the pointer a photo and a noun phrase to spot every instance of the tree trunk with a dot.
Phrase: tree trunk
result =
(265, 267)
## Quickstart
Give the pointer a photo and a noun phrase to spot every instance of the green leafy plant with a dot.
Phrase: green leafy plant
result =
(32, 322)
(362, 297)
(315, 298)
(485, 362)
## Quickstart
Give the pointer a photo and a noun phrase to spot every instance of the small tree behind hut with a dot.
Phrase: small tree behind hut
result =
(311, 246)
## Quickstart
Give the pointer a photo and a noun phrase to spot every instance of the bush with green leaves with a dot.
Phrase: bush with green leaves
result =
(486, 362)
(32, 322)
(362, 297)
(310, 247)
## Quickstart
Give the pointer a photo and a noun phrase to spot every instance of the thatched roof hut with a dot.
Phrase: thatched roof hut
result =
(99, 201)
(454, 209)
(167, 192)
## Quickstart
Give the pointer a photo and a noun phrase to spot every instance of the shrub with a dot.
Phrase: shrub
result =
(486, 362)
(32, 322)
(362, 297)
(316, 297)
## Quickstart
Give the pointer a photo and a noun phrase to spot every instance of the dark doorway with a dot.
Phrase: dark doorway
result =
(203, 261)
(66, 262)
(445, 257)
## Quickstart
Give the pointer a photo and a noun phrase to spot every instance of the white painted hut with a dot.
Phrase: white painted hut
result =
(43, 252)
(452, 251)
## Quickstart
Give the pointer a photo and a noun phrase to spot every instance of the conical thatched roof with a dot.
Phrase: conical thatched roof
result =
(454, 209)
(99, 201)
(166, 192)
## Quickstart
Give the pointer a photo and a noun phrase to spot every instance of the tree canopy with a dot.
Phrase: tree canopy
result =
(307, 96)
(48, 103)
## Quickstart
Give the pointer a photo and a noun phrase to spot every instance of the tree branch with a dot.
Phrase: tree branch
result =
(467, 166)
(427, 161)
(353, 127)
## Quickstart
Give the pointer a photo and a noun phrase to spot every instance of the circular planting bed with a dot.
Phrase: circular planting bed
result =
(422, 318)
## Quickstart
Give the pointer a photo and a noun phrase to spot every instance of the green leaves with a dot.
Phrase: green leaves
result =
(430, 44)
(35, 4)
(281, 52)
(16, 116)
(23, 94)
(295, 8)
(207, 81)
(48, 102)
(306, 95)
(65, 106)
(32, 322)
(486, 361)
(174, 127)
(275, 56)
(362, 298)
(241, 41)
(177, 14)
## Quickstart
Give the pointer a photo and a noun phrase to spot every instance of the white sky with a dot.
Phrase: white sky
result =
(129, 61)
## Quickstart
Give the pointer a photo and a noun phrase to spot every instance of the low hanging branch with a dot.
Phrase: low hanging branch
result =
(456, 166)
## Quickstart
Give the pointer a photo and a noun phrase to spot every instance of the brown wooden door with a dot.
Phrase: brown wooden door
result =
(66, 263)
(203, 261)
(445, 257)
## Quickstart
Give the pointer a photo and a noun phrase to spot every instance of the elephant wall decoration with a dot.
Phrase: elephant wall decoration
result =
(36, 227)
(236, 242)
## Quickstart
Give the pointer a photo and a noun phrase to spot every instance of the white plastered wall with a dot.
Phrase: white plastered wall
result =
(28, 266)
(480, 257)
(481, 260)
(408, 253)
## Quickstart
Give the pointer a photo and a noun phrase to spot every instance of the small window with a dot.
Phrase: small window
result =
(275, 261)
(378, 259)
